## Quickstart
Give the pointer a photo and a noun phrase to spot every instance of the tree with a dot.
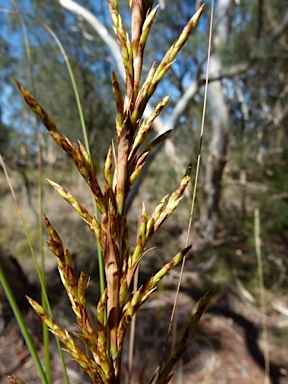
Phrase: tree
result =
(7, 62)
(39, 70)
(216, 158)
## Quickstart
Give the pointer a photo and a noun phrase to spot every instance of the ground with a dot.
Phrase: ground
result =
(228, 345)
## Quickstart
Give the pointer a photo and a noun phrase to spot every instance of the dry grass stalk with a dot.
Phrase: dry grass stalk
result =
(117, 304)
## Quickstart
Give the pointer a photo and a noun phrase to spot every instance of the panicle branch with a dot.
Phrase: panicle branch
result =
(123, 165)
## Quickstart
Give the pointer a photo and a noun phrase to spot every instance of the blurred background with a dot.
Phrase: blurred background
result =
(243, 166)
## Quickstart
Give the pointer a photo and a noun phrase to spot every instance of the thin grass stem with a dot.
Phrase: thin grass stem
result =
(202, 128)
(18, 316)
(262, 294)
(86, 141)
(45, 331)
(38, 270)
(194, 188)
(132, 332)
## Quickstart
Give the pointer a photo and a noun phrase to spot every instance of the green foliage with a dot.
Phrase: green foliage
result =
(274, 215)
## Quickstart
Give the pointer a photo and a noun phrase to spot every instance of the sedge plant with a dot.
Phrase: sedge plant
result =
(117, 303)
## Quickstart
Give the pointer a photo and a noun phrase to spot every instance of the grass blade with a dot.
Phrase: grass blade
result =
(22, 325)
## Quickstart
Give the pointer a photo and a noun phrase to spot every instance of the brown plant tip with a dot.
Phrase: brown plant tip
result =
(188, 170)
(40, 112)
(13, 380)
(55, 243)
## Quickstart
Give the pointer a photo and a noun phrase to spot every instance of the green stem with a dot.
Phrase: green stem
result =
(45, 331)
(86, 141)
(22, 325)
(38, 270)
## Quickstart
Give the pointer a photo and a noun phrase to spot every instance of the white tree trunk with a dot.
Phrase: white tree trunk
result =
(220, 126)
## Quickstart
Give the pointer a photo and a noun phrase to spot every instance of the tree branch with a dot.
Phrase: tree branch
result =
(280, 28)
